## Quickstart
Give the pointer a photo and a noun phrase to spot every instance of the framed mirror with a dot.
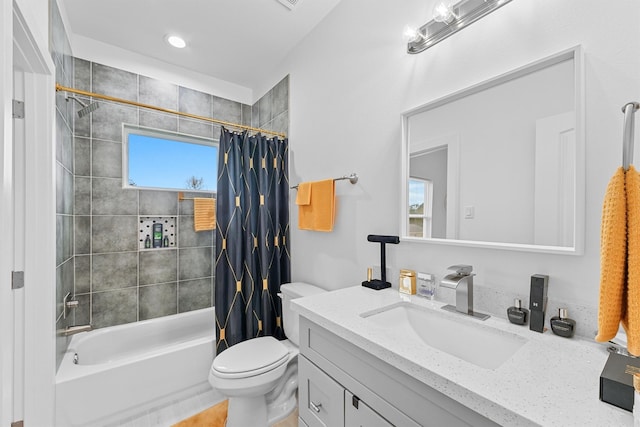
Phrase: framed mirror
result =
(501, 163)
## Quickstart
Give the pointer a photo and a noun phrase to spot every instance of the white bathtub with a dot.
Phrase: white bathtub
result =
(124, 369)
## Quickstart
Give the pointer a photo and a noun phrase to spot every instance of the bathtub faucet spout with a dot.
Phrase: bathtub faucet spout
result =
(72, 330)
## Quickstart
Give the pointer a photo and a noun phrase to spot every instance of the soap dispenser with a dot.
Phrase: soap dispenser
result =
(562, 325)
(517, 314)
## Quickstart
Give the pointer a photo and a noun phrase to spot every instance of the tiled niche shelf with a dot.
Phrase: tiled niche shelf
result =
(145, 228)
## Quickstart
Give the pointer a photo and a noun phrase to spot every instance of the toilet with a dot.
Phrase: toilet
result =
(260, 375)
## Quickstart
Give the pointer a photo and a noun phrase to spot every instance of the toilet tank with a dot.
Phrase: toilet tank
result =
(288, 292)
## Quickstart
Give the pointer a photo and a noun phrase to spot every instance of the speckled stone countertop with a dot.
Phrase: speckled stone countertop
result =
(549, 381)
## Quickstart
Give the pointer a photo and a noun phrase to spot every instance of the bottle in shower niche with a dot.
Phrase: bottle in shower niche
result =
(157, 235)
(165, 242)
(147, 242)
(562, 325)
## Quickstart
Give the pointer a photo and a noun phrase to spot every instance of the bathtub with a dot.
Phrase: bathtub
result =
(124, 369)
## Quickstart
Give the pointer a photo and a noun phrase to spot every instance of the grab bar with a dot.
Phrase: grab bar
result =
(627, 133)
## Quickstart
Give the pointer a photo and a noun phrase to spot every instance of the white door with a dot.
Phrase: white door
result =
(28, 226)
(555, 180)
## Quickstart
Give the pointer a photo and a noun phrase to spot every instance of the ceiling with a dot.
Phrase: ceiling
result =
(232, 40)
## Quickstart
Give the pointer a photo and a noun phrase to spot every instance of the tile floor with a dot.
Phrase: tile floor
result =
(167, 415)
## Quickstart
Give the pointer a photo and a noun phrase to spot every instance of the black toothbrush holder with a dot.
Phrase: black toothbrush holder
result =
(382, 283)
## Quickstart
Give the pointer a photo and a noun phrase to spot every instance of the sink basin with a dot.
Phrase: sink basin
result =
(479, 344)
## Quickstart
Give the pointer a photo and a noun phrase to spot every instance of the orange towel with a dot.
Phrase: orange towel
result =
(613, 262)
(304, 194)
(319, 214)
(204, 213)
(631, 308)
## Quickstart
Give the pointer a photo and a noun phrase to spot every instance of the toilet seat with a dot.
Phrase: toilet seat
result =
(250, 358)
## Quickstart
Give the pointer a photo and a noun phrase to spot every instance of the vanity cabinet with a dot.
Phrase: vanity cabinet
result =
(325, 403)
(342, 385)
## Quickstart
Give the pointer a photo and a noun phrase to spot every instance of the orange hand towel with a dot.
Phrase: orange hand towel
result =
(319, 214)
(613, 257)
(204, 213)
(631, 308)
(304, 194)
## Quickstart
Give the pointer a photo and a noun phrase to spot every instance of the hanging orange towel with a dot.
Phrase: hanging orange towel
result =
(319, 214)
(631, 310)
(613, 257)
(304, 194)
(204, 213)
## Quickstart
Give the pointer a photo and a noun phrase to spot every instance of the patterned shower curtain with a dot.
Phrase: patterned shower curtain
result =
(252, 223)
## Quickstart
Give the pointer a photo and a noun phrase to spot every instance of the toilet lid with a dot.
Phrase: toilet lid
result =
(251, 357)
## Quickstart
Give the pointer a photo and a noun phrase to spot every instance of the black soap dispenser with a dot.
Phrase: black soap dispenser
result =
(516, 314)
(562, 325)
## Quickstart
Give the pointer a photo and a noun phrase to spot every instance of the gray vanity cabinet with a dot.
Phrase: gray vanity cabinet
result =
(325, 403)
(342, 385)
(320, 398)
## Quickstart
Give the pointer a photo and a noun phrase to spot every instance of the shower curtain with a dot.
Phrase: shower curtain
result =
(252, 254)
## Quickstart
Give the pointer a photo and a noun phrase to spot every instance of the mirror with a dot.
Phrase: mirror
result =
(500, 164)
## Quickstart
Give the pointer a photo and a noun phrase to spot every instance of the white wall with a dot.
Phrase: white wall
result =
(350, 81)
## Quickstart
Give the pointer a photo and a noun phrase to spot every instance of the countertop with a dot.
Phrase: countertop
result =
(549, 381)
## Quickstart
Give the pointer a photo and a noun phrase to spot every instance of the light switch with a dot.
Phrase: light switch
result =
(469, 212)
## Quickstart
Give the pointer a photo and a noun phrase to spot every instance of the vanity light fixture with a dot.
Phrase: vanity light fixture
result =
(448, 19)
(176, 41)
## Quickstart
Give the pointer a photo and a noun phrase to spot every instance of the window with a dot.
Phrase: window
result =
(420, 207)
(157, 159)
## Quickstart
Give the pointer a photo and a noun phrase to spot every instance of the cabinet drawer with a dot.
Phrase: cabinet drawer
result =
(358, 414)
(321, 399)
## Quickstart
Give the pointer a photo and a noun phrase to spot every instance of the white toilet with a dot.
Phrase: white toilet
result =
(260, 375)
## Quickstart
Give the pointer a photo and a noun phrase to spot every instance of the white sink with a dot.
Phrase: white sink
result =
(454, 334)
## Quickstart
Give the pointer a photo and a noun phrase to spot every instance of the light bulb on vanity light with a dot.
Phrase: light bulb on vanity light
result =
(411, 34)
(443, 12)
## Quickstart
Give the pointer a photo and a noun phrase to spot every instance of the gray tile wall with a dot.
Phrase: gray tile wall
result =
(60, 50)
(118, 282)
(272, 110)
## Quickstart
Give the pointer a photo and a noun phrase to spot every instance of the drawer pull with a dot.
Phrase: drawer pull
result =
(315, 407)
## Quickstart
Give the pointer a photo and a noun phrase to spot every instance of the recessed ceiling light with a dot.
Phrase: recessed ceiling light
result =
(176, 41)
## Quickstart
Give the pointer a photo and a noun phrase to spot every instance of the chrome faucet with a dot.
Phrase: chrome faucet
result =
(72, 330)
(462, 282)
(68, 304)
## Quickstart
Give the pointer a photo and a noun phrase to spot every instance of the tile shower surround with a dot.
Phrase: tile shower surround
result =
(95, 258)
(114, 281)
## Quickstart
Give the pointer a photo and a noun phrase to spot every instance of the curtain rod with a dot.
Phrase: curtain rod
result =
(59, 88)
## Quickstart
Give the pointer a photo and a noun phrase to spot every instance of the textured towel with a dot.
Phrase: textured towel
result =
(303, 197)
(613, 257)
(631, 311)
(319, 214)
(204, 213)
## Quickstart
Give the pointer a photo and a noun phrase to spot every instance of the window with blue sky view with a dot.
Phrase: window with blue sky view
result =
(170, 161)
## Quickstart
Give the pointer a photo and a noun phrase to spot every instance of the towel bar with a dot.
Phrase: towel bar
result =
(627, 131)
(353, 178)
